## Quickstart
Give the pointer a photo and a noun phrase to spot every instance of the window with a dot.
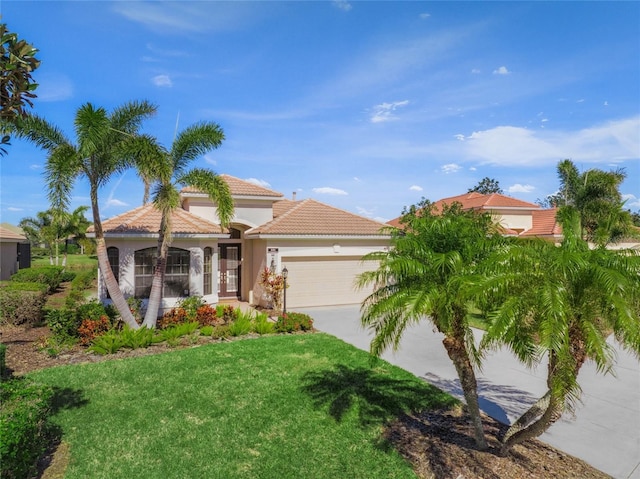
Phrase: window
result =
(114, 261)
(206, 285)
(176, 277)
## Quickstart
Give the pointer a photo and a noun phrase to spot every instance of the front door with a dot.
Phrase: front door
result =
(229, 271)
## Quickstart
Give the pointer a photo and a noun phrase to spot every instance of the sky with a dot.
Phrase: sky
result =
(366, 106)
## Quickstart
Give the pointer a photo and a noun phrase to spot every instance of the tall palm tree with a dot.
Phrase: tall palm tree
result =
(426, 276)
(74, 225)
(105, 146)
(560, 302)
(170, 170)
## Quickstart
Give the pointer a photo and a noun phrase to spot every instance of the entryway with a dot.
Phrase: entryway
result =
(229, 271)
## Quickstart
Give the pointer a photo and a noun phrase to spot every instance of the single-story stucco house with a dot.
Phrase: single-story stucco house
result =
(14, 252)
(320, 245)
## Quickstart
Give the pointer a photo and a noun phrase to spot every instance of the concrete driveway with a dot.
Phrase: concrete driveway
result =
(605, 431)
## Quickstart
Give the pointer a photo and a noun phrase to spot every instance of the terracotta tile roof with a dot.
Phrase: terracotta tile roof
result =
(478, 201)
(544, 224)
(8, 235)
(310, 217)
(240, 187)
(146, 219)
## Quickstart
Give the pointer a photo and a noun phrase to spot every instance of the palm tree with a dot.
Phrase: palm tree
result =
(427, 275)
(560, 302)
(74, 225)
(595, 195)
(105, 145)
(42, 230)
(169, 168)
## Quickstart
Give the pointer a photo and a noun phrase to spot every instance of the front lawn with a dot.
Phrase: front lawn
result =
(286, 406)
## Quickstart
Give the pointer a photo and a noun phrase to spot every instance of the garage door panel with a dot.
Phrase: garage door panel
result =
(324, 281)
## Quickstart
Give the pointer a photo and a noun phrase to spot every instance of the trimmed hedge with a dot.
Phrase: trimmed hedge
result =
(24, 410)
(50, 275)
(22, 303)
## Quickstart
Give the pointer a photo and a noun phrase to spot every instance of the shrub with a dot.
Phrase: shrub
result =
(291, 322)
(24, 426)
(68, 276)
(226, 312)
(240, 326)
(136, 338)
(262, 325)
(207, 315)
(190, 306)
(90, 329)
(220, 332)
(172, 334)
(63, 323)
(206, 330)
(22, 303)
(135, 306)
(173, 317)
(108, 343)
(49, 275)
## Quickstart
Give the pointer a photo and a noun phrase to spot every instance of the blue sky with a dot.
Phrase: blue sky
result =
(367, 106)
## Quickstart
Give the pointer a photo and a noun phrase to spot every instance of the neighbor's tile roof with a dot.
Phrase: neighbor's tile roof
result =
(7, 234)
(146, 219)
(310, 217)
(544, 224)
(240, 187)
(476, 201)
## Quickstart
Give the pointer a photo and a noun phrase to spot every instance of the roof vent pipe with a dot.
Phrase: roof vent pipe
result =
(293, 196)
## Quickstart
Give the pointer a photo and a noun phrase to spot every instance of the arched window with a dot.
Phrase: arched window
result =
(114, 261)
(176, 278)
(207, 271)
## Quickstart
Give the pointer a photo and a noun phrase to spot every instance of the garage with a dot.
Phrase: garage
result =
(324, 281)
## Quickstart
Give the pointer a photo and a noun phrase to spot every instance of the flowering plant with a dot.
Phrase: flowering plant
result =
(273, 285)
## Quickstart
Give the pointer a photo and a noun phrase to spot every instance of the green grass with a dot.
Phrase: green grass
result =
(74, 261)
(289, 406)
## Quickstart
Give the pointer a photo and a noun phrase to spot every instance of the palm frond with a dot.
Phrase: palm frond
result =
(193, 142)
(215, 187)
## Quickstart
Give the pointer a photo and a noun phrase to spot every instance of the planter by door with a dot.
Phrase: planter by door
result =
(229, 271)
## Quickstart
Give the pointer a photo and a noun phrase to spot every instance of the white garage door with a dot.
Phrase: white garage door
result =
(324, 281)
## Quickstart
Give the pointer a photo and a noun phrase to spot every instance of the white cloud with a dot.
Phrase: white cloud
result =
(581, 100)
(13, 208)
(459, 137)
(342, 5)
(501, 71)
(326, 190)
(162, 81)
(35, 167)
(606, 103)
(210, 160)
(518, 188)
(631, 201)
(475, 71)
(258, 182)
(415, 188)
(450, 168)
(364, 212)
(424, 16)
(53, 87)
(472, 168)
(515, 146)
(114, 202)
(384, 111)
(355, 178)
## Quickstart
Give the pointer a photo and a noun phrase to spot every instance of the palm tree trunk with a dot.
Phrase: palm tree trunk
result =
(458, 354)
(110, 281)
(550, 415)
(155, 296)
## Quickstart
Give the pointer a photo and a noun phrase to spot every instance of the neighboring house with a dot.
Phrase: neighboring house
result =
(516, 217)
(321, 247)
(15, 252)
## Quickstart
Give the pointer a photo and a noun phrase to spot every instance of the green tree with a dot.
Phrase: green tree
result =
(560, 303)
(106, 144)
(17, 61)
(427, 275)
(52, 228)
(486, 186)
(594, 194)
(169, 169)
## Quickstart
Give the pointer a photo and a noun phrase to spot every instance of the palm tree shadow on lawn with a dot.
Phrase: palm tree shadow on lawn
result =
(372, 394)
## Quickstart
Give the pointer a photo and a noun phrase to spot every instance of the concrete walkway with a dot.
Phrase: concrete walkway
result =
(605, 431)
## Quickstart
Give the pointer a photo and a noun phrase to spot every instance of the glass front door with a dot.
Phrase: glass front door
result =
(229, 271)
